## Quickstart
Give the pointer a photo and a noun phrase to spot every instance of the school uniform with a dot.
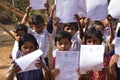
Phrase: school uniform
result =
(27, 75)
(43, 42)
(30, 75)
(16, 53)
(76, 42)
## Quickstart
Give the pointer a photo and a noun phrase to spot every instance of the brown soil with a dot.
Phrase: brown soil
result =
(6, 43)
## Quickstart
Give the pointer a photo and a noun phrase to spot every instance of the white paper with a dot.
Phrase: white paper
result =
(65, 10)
(94, 9)
(91, 57)
(118, 25)
(25, 61)
(117, 48)
(82, 8)
(30, 67)
(37, 4)
(15, 50)
(67, 63)
(114, 8)
(97, 9)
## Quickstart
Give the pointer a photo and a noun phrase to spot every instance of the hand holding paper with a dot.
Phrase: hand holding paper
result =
(91, 57)
(67, 63)
(28, 60)
(117, 49)
(37, 4)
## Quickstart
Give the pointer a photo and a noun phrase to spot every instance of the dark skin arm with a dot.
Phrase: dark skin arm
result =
(12, 72)
(109, 18)
(80, 28)
(46, 71)
(26, 15)
(112, 71)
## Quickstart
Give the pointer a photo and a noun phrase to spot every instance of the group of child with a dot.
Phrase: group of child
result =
(64, 37)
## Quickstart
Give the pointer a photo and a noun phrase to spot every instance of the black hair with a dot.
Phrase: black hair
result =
(118, 32)
(27, 37)
(96, 23)
(37, 19)
(71, 23)
(91, 32)
(62, 34)
(21, 27)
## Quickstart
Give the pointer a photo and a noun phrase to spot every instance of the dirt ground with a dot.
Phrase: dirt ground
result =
(6, 44)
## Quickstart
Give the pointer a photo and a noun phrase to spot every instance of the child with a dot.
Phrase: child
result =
(71, 27)
(76, 31)
(41, 34)
(99, 25)
(20, 29)
(27, 44)
(93, 36)
(62, 43)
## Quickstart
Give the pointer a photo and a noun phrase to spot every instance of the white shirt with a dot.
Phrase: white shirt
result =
(42, 39)
(76, 42)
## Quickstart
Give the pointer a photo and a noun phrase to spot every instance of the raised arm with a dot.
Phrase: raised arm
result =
(26, 16)
(50, 19)
(80, 28)
(109, 18)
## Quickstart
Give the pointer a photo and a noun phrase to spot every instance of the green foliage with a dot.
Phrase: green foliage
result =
(20, 4)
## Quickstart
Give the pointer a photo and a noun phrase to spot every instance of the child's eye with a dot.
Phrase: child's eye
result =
(89, 41)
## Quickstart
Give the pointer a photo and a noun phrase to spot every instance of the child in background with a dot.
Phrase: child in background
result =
(20, 29)
(99, 25)
(41, 34)
(107, 40)
(76, 31)
(28, 44)
(62, 43)
(93, 36)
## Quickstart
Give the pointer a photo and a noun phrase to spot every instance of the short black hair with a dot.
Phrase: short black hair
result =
(91, 32)
(21, 27)
(62, 34)
(37, 19)
(96, 23)
(71, 23)
(28, 37)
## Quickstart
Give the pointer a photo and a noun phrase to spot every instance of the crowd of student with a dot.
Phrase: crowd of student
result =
(63, 37)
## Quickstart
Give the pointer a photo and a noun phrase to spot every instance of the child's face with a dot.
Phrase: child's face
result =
(70, 29)
(38, 27)
(27, 47)
(63, 45)
(93, 41)
(18, 34)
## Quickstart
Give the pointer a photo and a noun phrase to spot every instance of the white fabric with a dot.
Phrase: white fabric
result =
(42, 40)
(76, 42)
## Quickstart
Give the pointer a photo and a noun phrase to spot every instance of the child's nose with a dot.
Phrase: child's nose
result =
(63, 45)
(28, 50)
(69, 30)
